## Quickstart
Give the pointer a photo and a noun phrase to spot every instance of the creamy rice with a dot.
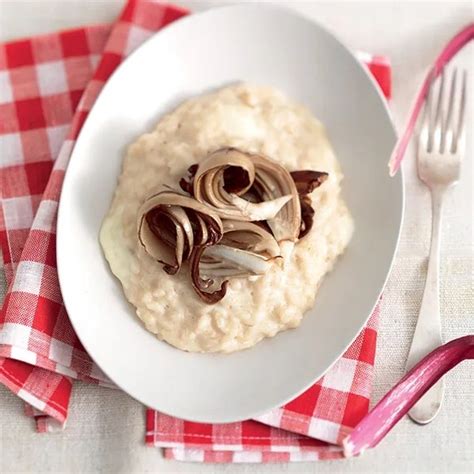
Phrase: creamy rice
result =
(257, 120)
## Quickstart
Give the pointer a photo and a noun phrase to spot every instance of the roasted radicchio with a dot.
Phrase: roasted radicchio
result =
(235, 215)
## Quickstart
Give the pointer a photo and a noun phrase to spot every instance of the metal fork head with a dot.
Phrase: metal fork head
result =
(441, 140)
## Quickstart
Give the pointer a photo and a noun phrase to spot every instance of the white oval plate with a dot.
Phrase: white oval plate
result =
(264, 45)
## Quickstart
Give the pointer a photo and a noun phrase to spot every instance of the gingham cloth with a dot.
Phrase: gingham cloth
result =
(48, 84)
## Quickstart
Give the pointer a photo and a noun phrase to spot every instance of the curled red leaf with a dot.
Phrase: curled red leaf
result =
(200, 285)
(307, 181)
(171, 224)
(186, 182)
(238, 210)
(307, 216)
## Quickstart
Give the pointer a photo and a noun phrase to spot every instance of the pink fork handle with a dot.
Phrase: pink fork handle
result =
(454, 45)
(396, 403)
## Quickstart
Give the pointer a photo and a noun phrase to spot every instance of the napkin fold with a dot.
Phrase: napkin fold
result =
(48, 85)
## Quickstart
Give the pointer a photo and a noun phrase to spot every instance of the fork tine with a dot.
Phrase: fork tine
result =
(462, 108)
(437, 124)
(428, 115)
(448, 135)
(439, 105)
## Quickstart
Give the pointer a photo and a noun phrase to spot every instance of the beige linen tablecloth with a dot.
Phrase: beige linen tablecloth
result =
(105, 428)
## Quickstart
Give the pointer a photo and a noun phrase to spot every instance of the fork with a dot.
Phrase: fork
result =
(441, 145)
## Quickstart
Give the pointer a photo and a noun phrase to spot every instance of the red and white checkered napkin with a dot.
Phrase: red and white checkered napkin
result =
(310, 427)
(48, 84)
